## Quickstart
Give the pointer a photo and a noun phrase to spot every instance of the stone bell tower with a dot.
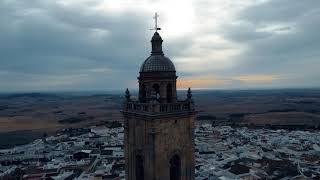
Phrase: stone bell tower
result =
(159, 128)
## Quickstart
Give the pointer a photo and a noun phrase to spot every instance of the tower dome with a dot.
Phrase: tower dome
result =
(157, 62)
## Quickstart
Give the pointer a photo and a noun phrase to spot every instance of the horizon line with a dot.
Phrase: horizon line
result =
(136, 89)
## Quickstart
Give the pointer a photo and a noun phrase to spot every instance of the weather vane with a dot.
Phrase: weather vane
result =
(155, 17)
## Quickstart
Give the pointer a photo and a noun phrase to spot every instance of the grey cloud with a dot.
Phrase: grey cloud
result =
(44, 41)
(243, 31)
(294, 52)
(44, 37)
(279, 10)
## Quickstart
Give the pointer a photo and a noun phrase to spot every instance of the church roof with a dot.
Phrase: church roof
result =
(157, 62)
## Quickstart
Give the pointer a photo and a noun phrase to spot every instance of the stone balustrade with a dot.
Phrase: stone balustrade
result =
(155, 107)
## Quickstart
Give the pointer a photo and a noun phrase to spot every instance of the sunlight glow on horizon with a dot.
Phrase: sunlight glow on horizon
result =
(212, 81)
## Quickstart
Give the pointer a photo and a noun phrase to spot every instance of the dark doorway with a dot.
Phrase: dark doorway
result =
(139, 168)
(175, 168)
(169, 93)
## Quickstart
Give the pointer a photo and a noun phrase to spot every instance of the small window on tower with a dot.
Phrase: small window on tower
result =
(156, 89)
(175, 121)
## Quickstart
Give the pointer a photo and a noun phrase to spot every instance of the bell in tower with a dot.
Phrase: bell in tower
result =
(159, 128)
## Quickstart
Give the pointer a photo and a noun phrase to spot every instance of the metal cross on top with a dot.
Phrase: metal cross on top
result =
(155, 17)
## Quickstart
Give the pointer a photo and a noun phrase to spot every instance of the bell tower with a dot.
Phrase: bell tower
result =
(159, 128)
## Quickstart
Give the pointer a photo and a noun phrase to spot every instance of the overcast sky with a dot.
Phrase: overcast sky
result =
(75, 45)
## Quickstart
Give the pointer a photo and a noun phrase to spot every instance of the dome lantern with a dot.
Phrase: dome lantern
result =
(156, 42)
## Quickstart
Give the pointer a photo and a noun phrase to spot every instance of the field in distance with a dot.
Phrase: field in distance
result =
(261, 107)
(24, 117)
(33, 114)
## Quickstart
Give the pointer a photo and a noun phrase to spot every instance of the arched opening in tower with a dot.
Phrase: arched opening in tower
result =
(143, 93)
(139, 168)
(169, 93)
(156, 89)
(175, 168)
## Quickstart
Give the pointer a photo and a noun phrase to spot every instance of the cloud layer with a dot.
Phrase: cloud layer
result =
(99, 45)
